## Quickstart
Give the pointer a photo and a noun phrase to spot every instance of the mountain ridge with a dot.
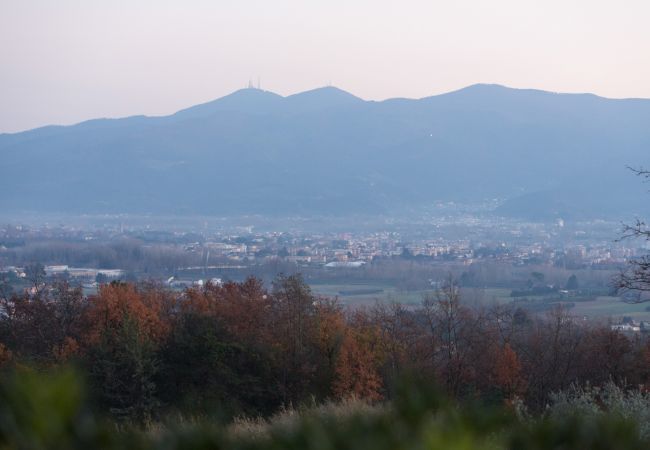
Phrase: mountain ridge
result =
(472, 87)
(326, 151)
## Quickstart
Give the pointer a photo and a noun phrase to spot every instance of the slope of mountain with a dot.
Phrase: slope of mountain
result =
(321, 98)
(326, 151)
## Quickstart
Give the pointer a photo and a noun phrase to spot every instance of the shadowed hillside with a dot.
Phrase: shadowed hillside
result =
(326, 151)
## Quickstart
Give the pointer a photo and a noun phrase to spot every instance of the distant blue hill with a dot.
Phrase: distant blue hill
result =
(326, 151)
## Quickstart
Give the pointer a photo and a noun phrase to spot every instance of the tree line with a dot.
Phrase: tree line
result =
(241, 349)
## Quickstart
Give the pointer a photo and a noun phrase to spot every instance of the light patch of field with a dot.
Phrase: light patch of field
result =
(485, 296)
(359, 294)
(370, 293)
(612, 307)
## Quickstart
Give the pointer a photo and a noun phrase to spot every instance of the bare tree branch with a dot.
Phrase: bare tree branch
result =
(634, 281)
(640, 171)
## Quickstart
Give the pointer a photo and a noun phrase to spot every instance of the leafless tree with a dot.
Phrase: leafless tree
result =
(35, 273)
(5, 288)
(635, 279)
(453, 328)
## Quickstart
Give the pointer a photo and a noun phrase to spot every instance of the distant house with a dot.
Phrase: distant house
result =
(83, 273)
(55, 270)
(215, 281)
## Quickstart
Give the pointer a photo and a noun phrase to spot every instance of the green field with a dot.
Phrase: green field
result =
(612, 307)
(600, 307)
(359, 294)
(370, 293)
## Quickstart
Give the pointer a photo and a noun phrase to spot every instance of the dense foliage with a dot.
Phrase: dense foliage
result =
(217, 353)
(39, 412)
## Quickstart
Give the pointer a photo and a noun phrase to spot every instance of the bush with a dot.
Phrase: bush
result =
(48, 411)
(594, 404)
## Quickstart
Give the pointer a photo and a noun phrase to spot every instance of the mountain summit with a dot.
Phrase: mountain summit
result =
(326, 151)
(322, 98)
(257, 101)
(249, 100)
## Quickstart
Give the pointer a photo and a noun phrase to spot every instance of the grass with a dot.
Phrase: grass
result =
(353, 294)
(49, 410)
(612, 307)
(288, 419)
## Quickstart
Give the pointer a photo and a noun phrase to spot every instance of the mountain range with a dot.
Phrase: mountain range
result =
(325, 151)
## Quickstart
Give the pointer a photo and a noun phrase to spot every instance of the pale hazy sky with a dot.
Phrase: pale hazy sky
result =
(64, 61)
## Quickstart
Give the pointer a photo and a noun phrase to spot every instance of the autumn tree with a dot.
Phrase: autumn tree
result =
(608, 356)
(218, 355)
(125, 326)
(506, 374)
(239, 348)
(206, 369)
(360, 358)
(331, 331)
(44, 328)
(122, 365)
(244, 308)
(149, 307)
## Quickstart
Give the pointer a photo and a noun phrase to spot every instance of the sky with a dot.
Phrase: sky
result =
(65, 61)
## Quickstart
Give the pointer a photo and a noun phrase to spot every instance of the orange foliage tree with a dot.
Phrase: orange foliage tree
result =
(149, 309)
(361, 355)
(506, 371)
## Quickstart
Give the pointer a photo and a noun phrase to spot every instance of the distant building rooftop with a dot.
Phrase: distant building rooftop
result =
(348, 264)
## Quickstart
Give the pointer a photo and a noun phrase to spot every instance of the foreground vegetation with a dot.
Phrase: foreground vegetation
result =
(240, 366)
(51, 412)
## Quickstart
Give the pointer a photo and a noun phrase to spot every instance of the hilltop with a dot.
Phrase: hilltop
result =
(326, 151)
